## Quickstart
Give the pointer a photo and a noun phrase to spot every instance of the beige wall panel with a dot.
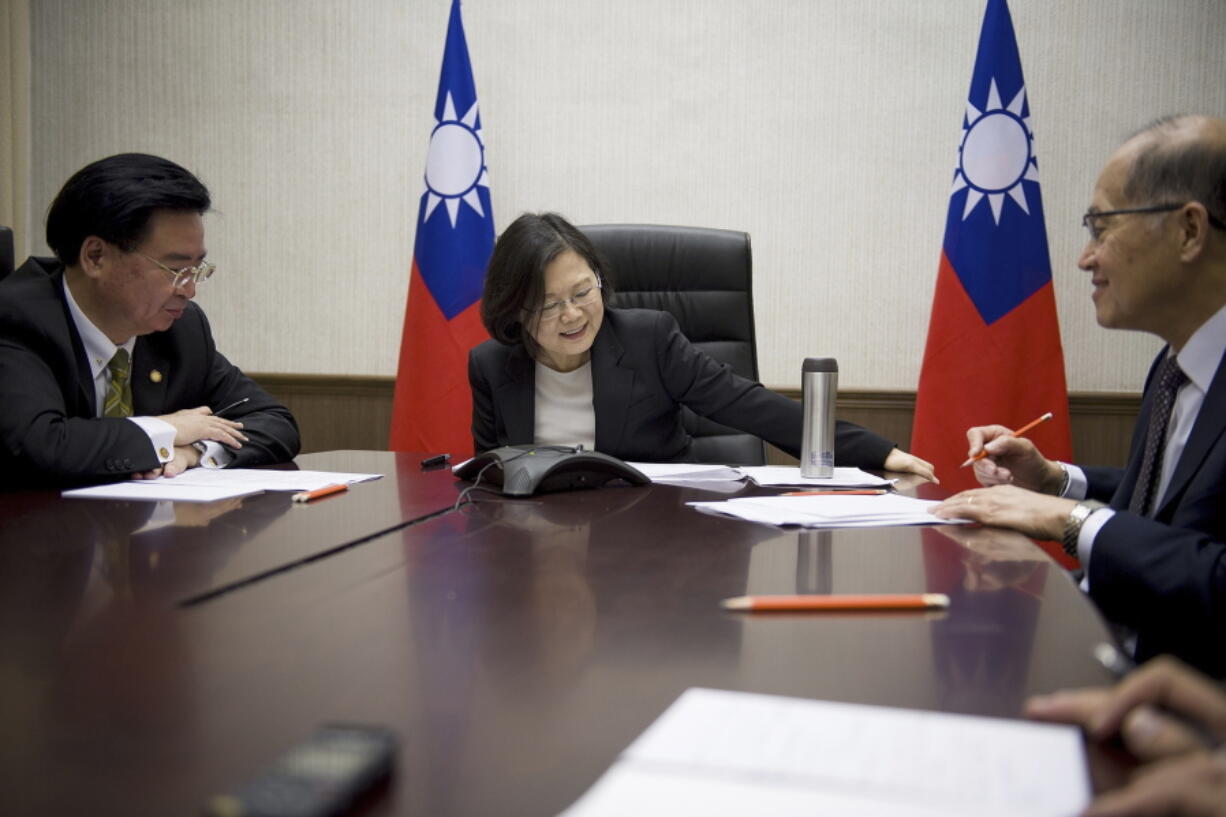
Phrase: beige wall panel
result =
(826, 129)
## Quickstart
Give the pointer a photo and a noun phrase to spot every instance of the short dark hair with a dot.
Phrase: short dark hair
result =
(515, 278)
(114, 198)
(1172, 168)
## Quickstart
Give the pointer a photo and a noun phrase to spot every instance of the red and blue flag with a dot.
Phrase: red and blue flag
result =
(432, 407)
(993, 353)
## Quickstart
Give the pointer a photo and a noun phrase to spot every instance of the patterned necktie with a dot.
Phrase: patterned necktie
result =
(119, 388)
(1170, 379)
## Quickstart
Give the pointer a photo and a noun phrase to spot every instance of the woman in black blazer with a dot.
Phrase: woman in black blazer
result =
(563, 368)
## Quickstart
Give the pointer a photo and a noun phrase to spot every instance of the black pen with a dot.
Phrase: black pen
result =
(437, 459)
(233, 405)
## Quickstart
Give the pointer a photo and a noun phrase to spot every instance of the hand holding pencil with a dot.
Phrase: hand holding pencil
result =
(1003, 456)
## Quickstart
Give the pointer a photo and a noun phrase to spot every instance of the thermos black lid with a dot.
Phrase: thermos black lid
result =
(820, 364)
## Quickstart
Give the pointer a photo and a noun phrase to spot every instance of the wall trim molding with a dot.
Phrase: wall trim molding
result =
(354, 411)
(1080, 402)
(333, 384)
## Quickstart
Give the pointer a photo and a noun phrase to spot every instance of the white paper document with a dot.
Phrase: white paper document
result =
(688, 472)
(833, 511)
(787, 475)
(262, 479)
(730, 754)
(160, 491)
(210, 485)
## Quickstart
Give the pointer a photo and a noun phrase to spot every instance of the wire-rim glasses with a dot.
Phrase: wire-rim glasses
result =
(584, 297)
(179, 277)
(1088, 220)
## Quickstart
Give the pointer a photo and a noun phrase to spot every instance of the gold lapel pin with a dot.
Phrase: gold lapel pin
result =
(155, 376)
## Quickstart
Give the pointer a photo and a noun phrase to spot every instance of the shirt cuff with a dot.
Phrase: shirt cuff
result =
(213, 454)
(1077, 485)
(1085, 540)
(161, 436)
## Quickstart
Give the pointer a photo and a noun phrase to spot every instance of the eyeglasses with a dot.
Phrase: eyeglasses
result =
(1088, 220)
(199, 273)
(584, 297)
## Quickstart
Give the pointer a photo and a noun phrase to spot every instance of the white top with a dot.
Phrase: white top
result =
(564, 411)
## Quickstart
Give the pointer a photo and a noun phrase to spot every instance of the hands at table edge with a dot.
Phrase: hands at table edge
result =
(1022, 486)
(902, 462)
(1168, 716)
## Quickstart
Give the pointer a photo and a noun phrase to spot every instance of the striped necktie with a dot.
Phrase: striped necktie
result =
(119, 387)
(1170, 379)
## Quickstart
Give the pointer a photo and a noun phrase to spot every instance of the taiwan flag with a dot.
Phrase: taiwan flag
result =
(993, 353)
(432, 409)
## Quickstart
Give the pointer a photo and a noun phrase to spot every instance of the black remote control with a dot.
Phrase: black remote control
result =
(320, 777)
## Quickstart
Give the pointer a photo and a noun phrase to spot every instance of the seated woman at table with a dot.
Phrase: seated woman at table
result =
(563, 368)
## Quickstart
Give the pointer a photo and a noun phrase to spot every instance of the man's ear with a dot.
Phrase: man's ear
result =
(94, 256)
(1193, 220)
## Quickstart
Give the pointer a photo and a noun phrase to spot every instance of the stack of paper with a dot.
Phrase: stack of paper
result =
(789, 475)
(209, 485)
(156, 491)
(829, 511)
(688, 472)
(731, 754)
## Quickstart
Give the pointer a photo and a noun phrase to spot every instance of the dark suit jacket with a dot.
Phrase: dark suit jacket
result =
(1165, 577)
(643, 370)
(49, 435)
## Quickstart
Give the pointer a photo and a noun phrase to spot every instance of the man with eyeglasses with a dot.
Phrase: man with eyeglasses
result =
(107, 368)
(1150, 537)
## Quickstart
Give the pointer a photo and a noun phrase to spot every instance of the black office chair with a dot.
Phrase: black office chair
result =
(704, 278)
(6, 252)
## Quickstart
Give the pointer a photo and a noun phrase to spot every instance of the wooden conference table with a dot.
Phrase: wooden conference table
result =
(515, 646)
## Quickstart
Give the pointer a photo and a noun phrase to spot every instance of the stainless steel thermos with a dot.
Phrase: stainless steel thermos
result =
(819, 381)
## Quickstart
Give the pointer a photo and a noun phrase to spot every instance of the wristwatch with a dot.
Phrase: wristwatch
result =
(1076, 518)
(203, 449)
(1064, 478)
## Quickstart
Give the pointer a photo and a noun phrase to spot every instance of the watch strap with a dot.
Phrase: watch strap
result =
(1076, 519)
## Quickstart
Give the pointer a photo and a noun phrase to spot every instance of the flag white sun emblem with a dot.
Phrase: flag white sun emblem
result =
(996, 154)
(455, 163)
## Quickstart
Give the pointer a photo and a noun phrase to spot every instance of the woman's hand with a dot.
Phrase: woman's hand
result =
(899, 460)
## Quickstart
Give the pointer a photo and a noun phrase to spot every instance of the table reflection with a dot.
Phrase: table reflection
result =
(982, 649)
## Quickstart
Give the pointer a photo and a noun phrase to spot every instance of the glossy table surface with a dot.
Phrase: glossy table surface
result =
(515, 646)
(204, 548)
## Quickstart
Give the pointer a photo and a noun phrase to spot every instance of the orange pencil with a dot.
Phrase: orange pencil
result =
(1020, 432)
(836, 492)
(863, 601)
(327, 490)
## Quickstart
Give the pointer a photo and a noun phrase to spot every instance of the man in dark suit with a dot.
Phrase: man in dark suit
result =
(1155, 556)
(107, 368)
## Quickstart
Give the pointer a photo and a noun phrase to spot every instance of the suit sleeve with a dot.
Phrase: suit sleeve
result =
(711, 389)
(1165, 582)
(484, 424)
(1101, 482)
(46, 443)
(272, 433)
